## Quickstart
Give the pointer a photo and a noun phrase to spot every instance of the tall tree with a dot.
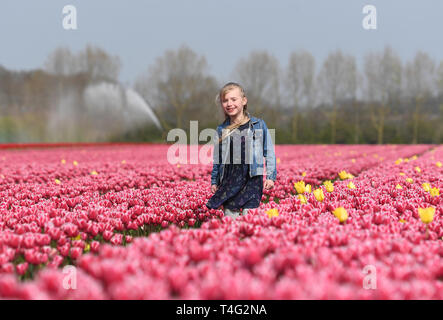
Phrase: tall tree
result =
(300, 86)
(259, 75)
(99, 64)
(383, 72)
(179, 87)
(61, 62)
(93, 61)
(420, 82)
(439, 80)
(337, 80)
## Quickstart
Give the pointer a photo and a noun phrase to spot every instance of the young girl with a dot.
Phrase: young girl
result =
(238, 184)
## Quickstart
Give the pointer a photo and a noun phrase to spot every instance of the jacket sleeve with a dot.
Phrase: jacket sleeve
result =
(269, 154)
(216, 160)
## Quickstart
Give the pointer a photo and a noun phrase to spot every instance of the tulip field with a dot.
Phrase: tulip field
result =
(342, 222)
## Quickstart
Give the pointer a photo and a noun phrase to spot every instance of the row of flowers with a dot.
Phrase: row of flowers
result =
(51, 224)
(312, 244)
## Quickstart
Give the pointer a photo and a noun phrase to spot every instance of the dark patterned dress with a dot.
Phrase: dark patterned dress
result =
(237, 189)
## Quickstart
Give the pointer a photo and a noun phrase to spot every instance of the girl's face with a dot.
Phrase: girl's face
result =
(233, 102)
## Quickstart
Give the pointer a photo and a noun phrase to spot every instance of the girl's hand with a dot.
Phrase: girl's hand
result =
(214, 188)
(269, 184)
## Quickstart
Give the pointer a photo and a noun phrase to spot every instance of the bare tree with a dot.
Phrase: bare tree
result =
(439, 80)
(383, 73)
(93, 61)
(178, 84)
(300, 85)
(259, 74)
(61, 62)
(420, 83)
(99, 64)
(337, 79)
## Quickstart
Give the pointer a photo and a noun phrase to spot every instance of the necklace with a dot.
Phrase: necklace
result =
(242, 122)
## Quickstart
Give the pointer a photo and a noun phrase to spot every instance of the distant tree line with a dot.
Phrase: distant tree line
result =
(383, 101)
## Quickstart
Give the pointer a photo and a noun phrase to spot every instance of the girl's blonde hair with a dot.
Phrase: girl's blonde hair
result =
(218, 101)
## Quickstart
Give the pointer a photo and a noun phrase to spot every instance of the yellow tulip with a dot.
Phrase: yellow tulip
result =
(75, 163)
(402, 173)
(87, 247)
(329, 186)
(351, 185)
(272, 213)
(278, 160)
(438, 164)
(434, 192)
(57, 181)
(308, 188)
(343, 175)
(302, 199)
(426, 187)
(94, 173)
(398, 186)
(303, 174)
(398, 161)
(414, 157)
(341, 214)
(402, 221)
(318, 194)
(409, 180)
(426, 214)
(123, 161)
(300, 187)
(353, 160)
(63, 161)
(417, 169)
(178, 165)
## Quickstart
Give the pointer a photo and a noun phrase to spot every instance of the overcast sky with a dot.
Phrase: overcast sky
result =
(224, 31)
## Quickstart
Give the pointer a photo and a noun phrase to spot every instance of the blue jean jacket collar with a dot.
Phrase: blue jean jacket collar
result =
(227, 121)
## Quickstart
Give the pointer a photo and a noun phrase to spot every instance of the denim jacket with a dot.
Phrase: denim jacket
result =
(259, 144)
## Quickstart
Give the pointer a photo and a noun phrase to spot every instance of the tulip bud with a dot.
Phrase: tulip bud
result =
(434, 192)
(426, 214)
(272, 213)
(300, 187)
(302, 199)
(351, 185)
(318, 193)
(21, 268)
(341, 214)
(308, 188)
